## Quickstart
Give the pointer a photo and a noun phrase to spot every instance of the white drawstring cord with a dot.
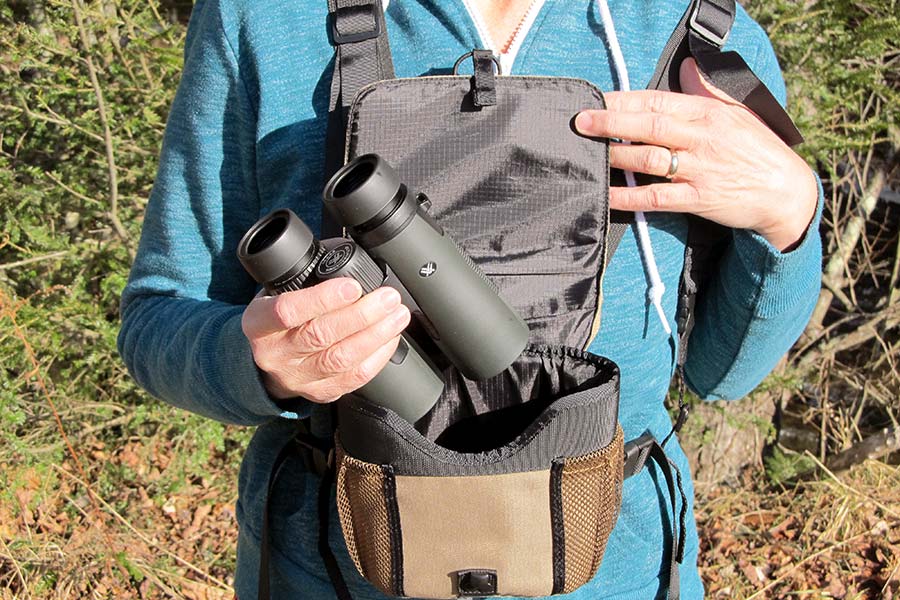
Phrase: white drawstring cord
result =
(657, 288)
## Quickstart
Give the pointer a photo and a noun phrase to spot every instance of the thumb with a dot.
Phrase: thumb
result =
(694, 83)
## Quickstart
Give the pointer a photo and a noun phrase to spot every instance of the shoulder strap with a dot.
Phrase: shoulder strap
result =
(701, 34)
(356, 29)
(637, 454)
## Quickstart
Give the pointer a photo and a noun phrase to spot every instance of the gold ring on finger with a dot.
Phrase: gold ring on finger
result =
(673, 164)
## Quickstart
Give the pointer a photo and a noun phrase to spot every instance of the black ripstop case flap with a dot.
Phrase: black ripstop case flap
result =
(513, 183)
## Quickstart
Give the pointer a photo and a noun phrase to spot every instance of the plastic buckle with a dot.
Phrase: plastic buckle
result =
(703, 27)
(636, 453)
(338, 38)
(476, 582)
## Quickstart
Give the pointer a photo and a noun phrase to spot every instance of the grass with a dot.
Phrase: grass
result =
(838, 537)
(106, 493)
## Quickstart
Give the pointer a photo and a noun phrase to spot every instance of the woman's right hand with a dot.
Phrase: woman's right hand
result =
(323, 341)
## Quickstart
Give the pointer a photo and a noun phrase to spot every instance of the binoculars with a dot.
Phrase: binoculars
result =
(394, 241)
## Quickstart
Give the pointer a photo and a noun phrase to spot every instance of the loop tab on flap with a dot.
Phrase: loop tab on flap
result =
(484, 88)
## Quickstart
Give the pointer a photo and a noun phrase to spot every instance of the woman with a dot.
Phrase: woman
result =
(246, 135)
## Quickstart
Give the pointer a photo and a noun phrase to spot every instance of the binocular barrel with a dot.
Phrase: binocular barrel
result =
(281, 253)
(461, 310)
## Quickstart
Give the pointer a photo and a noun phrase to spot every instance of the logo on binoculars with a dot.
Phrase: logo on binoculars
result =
(337, 258)
(428, 269)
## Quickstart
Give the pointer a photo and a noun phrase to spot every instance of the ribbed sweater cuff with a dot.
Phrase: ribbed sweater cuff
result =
(242, 380)
(778, 280)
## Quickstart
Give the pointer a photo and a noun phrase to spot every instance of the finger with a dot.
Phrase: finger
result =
(650, 128)
(694, 83)
(656, 101)
(328, 329)
(648, 159)
(350, 352)
(271, 314)
(332, 388)
(669, 197)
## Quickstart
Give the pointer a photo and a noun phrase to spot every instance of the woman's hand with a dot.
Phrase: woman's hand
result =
(732, 169)
(323, 341)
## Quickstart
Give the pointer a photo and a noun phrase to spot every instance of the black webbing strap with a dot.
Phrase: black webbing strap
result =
(362, 55)
(315, 452)
(701, 33)
(331, 565)
(619, 222)
(637, 452)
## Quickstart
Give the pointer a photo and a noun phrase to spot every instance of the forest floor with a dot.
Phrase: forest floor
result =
(147, 527)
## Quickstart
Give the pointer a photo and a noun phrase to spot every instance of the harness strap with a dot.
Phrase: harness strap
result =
(362, 55)
(701, 34)
(619, 222)
(637, 452)
(318, 456)
(331, 565)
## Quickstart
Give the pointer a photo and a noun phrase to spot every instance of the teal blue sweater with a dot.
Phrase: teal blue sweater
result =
(246, 135)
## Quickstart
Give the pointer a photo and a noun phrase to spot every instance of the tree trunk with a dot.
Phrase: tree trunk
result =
(722, 438)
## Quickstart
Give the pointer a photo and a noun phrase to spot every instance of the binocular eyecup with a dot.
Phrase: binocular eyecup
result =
(281, 253)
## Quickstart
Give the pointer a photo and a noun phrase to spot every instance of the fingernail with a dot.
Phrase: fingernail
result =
(584, 121)
(399, 315)
(350, 290)
(389, 298)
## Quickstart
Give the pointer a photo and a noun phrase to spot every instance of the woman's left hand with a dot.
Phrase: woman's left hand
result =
(732, 169)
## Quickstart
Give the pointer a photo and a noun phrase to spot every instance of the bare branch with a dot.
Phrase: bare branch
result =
(33, 259)
(107, 133)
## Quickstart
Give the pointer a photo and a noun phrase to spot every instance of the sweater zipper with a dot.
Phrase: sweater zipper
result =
(521, 31)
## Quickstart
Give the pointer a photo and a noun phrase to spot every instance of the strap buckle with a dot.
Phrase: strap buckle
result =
(636, 453)
(712, 21)
(344, 14)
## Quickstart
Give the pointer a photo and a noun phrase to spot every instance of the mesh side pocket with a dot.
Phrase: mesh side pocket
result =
(363, 509)
(590, 491)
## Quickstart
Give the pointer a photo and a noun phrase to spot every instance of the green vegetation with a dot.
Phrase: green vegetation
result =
(106, 493)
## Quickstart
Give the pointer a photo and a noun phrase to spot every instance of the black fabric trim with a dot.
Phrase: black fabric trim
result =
(557, 525)
(568, 422)
(396, 535)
